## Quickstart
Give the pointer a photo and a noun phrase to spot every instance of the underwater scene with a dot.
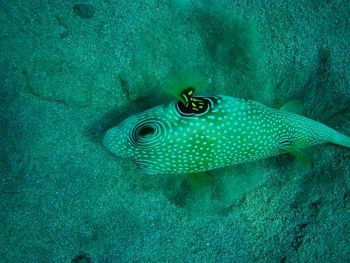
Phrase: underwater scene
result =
(175, 131)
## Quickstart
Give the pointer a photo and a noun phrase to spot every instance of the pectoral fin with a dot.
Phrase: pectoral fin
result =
(199, 181)
(177, 85)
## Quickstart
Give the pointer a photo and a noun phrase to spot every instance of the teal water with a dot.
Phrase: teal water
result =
(71, 70)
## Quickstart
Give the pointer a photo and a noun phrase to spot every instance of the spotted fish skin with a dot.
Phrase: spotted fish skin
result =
(230, 131)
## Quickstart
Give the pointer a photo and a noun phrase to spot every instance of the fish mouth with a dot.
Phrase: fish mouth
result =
(111, 142)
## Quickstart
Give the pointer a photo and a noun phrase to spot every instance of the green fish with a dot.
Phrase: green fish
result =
(200, 133)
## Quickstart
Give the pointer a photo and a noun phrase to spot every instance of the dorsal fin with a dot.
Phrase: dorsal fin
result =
(294, 106)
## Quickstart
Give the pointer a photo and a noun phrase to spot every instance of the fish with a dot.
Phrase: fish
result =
(196, 134)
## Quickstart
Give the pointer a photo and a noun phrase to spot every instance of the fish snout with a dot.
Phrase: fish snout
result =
(113, 141)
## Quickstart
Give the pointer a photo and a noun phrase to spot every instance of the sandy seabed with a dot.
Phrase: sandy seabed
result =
(71, 70)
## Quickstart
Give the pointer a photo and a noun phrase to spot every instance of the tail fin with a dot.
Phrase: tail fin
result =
(341, 139)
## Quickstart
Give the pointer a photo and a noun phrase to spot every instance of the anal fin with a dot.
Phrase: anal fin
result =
(300, 153)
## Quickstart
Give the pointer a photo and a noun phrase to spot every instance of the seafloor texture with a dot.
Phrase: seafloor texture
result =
(72, 69)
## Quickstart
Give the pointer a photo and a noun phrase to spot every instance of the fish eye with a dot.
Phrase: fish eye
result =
(146, 131)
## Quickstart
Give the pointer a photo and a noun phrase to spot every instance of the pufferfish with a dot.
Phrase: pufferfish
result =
(195, 134)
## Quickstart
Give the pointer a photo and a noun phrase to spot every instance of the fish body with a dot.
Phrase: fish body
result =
(203, 133)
